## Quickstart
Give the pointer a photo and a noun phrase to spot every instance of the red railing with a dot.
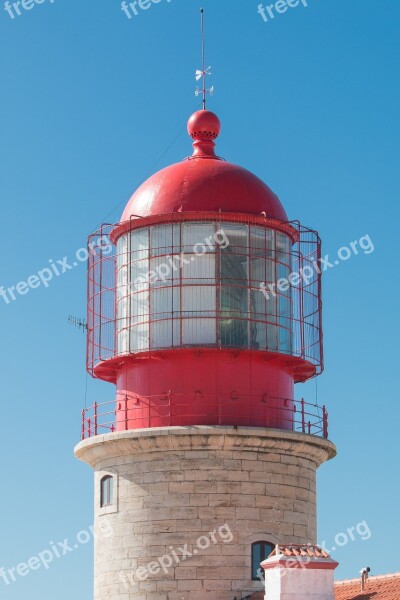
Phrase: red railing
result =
(274, 413)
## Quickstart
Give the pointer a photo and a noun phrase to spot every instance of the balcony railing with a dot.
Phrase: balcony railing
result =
(171, 410)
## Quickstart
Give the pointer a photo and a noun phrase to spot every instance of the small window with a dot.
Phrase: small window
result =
(259, 552)
(106, 491)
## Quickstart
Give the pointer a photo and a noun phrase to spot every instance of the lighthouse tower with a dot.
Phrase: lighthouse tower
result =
(204, 315)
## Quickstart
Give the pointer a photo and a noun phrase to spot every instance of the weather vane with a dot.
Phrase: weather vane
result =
(202, 74)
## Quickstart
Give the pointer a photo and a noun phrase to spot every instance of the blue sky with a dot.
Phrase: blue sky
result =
(92, 104)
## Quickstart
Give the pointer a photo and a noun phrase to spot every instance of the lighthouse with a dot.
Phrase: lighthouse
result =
(204, 316)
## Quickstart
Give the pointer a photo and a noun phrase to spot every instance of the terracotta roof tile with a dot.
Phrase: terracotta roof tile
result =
(383, 587)
(300, 550)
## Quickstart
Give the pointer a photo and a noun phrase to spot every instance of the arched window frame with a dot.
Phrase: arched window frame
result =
(106, 491)
(260, 550)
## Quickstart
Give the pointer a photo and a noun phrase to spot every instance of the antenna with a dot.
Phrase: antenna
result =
(203, 72)
(77, 322)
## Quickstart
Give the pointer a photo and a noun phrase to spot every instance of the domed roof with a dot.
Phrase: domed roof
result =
(204, 182)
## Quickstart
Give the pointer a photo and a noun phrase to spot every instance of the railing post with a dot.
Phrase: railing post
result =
(325, 421)
(83, 424)
(303, 416)
(90, 426)
(126, 413)
(95, 418)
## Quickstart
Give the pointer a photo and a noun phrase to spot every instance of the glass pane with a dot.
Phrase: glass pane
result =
(198, 331)
(123, 341)
(233, 268)
(140, 243)
(259, 552)
(234, 333)
(269, 243)
(282, 248)
(258, 305)
(165, 334)
(165, 303)
(238, 238)
(234, 301)
(122, 282)
(272, 337)
(257, 271)
(285, 335)
(163, 271)
(198, 300)
(255, 560)
(140, 307)
(122, 252)
(161, 240)
(258, 333)
(271, 307)
(139, 274)
(270, 276)
(198, 233)
(122, 312)
(139, 337)
(200, 269)
(110, 490)
(257, 241)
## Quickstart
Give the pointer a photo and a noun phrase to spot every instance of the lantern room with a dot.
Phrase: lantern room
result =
(208, 309)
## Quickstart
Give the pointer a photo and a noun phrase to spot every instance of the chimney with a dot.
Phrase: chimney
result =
(364, 576)
(299, 573)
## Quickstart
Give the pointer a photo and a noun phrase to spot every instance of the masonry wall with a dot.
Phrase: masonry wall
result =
(210, 492)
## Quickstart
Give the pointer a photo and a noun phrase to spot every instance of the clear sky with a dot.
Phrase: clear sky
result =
(92, 102)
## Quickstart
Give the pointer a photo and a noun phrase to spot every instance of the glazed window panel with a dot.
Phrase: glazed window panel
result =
(199, 301)
(139, 244)
(164, 270)
(168, 295)
(282, 248)
(234, 333)
(259, 552)
(234, 302)
(139, 337)
(165, 240)
(200, 269)
(258, 335)
(106, 491)
(258, 305)
(165, 334)
(140, 307)
(139, 274)
(257, 241)
(198, 233)
(238, 237)
(165, 303)
(285, 335)
(233, 268)
(197, 332)
(258, 268)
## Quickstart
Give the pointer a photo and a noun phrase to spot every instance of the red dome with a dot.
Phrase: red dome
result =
(204, 182)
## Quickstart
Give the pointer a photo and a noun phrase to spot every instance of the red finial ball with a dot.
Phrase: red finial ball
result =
(204, 125)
